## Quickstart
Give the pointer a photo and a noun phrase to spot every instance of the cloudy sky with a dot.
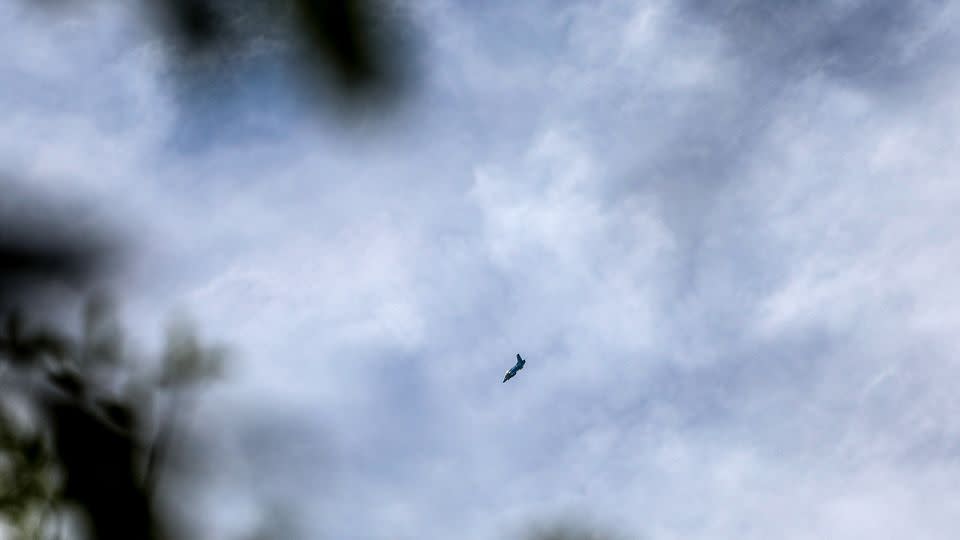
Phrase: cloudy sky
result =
(721, 233)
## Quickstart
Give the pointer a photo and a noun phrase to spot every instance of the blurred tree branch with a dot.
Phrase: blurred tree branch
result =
(96, 435)
(76, 412)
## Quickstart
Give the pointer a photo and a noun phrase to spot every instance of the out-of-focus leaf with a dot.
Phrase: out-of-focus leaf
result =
(186, 361)
(103, 338)
(22, 347)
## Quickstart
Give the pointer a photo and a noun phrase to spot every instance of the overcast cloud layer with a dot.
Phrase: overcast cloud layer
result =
(722, 237)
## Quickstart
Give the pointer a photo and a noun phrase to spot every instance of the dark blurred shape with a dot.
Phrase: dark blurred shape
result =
(360, 46)
(69, 383)
(111, 465)
(102, 471)
(22, 348)
(344, 32)
(88, 443)
(37, 260)
(48, 243)
(34, 258)
(194, 23)
(44, 245)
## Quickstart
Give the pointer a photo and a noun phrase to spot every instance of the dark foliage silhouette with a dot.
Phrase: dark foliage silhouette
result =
(84, 443)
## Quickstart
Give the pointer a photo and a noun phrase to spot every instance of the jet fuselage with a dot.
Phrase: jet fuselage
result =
(516, 367)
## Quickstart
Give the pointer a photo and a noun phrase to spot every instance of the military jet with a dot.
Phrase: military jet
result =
(516, 367)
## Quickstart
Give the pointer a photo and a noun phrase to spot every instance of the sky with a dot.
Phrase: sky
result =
(719, 233)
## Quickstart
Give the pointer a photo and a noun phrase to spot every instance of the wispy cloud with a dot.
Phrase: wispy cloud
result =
(711, 231)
